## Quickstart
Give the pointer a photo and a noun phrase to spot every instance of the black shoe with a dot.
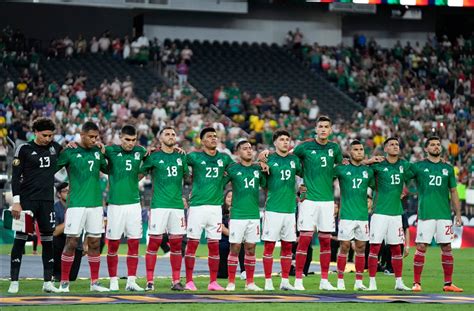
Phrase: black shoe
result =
(149, 287)
(178, 287)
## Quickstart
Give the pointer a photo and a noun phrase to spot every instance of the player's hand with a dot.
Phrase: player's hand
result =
(265, 167)
(406, 251)
(458, 221)
(263, 156)
(149, 150)
(101, 146)
(345, 161)
(85, 247)
(16, 210)
(376, 159)
(71, 145)
(179, 150)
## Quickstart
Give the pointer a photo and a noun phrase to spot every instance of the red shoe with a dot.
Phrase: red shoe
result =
(452, 288)
(416, 287)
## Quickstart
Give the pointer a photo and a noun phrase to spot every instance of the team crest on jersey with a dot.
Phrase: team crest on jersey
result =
(292, 164)
(401, 169)
(137, 155)
(97, 155)
(256, 174)
(445, 172)
(179, 161)
(220, 163)
(52, 151)
(365, 174)
(331, 152)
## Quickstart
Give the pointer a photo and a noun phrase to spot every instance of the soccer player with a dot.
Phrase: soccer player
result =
(205, 210)
(124, 213)
(244, 225)
(85, 211)
(34, 166)
(168, 169)
(354, 181)
(435, 182)
(386, 222)
(279, 222)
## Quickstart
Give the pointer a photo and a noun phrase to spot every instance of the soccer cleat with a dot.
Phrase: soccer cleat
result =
(177, 287)
(114, 284)
(416, 287)
(48, 287)
(253, 287)
(325, 285)
(340, 284)
(190, 286)
(132, 286)
(401, 287)
(149, 287)
(14, 287)
(360, 287)
(214, 286)
(230, 287)
(372, 285)
(286, 286)
(269, 284)
(452, 288)
(243, 276)
(95, 287)
(299, 284)
(63, 287)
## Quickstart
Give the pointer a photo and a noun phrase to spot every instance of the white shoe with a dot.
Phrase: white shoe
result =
(14, 287)
(269, 284)
(285, 285)
(299, 284)
(63, 287)
(230, 287)
(401, 287)
(325, 285)
(358, 286)
(48, 287)
(132, 286)
(253, 287)
(372, 285)
(95, 287)
(340, 284)
(114, 284)
(243, 276)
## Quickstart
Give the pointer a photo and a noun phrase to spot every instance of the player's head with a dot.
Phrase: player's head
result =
(62, 190)
(44, 131)
(208, 138)
(281, 140)
(89, 134)
(244, 150)
(433, 146)
(168, 136)
(357, 151)
(128, 137)
(391, 146)
(323, 127)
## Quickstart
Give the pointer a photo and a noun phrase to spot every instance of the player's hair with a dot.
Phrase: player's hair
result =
(205, 131)
(166, 128)
(355, 142)
(389, 139)
(240, 143)
(431, 139)
(43, 124)
(128, 130)
(279, 133)
(324, 119)
(89, 126)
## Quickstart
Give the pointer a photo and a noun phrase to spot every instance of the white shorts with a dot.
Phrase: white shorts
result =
(166, 220)
(353, 229)
(205, 217)
(124, 219)
(88, 219)
(440, 229)
(314, 215)
(244, 230)
(279, 226)
(388, 228)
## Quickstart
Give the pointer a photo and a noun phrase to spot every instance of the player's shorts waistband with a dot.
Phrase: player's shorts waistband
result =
(124, 205)
(205, 206)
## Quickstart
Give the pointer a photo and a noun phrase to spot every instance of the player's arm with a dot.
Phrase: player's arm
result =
(17, 173)
(410, 172)
(185, 165)
(454, 197)
(145, 168)
(63, 159)
(299, 167)
(104, 165)
(338, 156)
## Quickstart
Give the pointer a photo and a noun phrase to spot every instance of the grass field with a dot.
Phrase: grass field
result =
(432, 282)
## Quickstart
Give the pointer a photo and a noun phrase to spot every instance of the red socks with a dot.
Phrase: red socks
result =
(66, 264)
(213, 259)
(373, 259)
(94, 265)
(301, 251)
(359, 265)
(132, 256)
(418, 263)
(150, 257)
(112, 258)
(250, 261)
(285, 258)
(190, 258)
(325, 253)
(397, 260)
(232, 263)
(176, 256)
(268, 258)
(447, 261)
(341, 265)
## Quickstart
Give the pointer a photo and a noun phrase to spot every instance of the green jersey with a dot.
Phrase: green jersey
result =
(318, 168)
(354, 182)
(83, 167)
(389, 181)
(246, 182)
(281, 183)
(433, 181)
(208, 177)
(124, 168)
(167, 171)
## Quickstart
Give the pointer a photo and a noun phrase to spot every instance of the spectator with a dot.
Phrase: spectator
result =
(94, 45)
(285, 103)
(186, 55)
(182, 70)
(104, 43)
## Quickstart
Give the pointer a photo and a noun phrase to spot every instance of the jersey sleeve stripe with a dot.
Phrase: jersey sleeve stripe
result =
(17, 151)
